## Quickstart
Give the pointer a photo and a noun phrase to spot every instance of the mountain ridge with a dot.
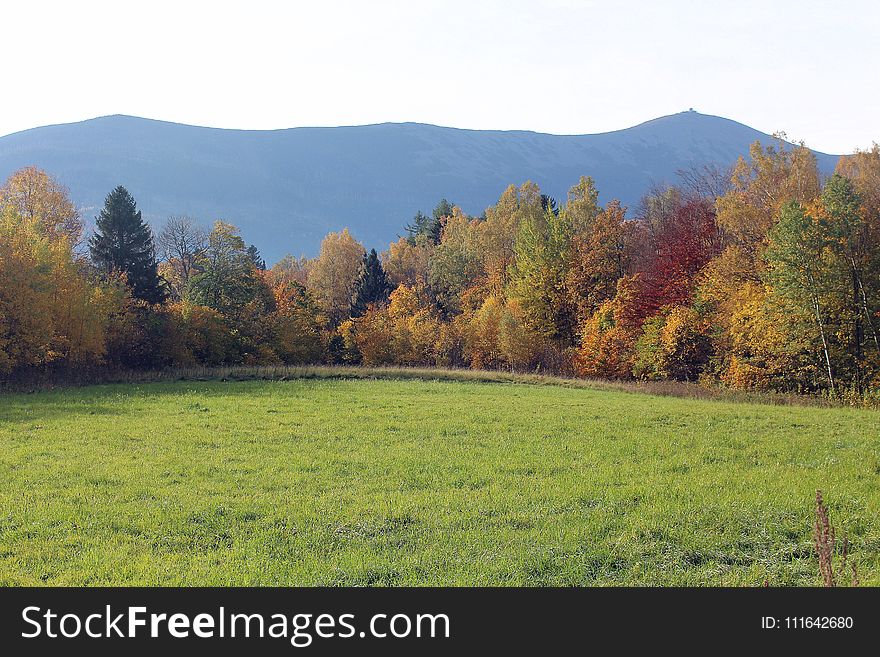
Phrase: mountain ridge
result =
(287, 187)
(118, 116)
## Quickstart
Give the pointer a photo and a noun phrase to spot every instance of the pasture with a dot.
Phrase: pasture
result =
(424, 482)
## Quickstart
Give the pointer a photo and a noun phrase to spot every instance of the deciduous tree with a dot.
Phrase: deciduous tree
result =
(334, 276)
(457, 262)
(36, 196)
(601, 254)
(181, 243)
(407, 262)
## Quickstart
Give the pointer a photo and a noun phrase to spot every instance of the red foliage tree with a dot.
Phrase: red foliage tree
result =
(677, 247)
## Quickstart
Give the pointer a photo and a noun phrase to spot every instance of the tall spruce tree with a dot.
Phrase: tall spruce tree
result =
(123, 244)
(372, 286)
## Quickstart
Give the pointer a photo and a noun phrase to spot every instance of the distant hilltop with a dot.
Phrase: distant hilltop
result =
(287, 188)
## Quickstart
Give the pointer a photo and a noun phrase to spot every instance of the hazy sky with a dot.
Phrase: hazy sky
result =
(560, 66)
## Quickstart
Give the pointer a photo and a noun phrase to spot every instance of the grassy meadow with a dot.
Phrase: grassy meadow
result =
(417, 482)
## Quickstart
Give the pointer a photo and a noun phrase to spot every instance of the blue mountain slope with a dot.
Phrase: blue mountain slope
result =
(287, 188)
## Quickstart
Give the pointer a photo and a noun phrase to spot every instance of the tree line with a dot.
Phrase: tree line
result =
(762, 276)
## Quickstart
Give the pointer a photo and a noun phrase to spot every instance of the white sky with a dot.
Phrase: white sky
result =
(563, 66)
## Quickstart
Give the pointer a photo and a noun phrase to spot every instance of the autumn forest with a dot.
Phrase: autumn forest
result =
(761, 276)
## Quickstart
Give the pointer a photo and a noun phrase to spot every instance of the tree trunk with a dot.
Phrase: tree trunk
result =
(864, 308)
(857, 329)
(821, 331)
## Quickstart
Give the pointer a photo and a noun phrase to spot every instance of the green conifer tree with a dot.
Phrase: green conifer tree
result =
(372, 286)
(123, 244)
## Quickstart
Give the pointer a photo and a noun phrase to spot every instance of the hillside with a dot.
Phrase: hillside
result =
(287, 188)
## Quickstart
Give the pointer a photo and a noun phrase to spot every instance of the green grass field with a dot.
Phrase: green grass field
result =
(390, 482)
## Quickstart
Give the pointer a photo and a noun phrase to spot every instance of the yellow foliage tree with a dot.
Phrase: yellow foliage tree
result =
(35, 196)
(772, 176)
(673, 345)
(407, 262)
(608, 337)
(496, 336)
(749, 341)
(497, 234)
(405, 332)
(49, 310)
(334, 275)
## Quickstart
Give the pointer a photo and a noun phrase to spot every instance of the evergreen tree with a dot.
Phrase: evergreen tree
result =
(443, 210)
(123, 244)
(256, 258)
(429, 227)
(549, 204)
(419, 225)
(372, 286)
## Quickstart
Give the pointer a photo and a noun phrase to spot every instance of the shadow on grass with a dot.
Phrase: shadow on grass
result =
(59, 380)
(23, 411)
